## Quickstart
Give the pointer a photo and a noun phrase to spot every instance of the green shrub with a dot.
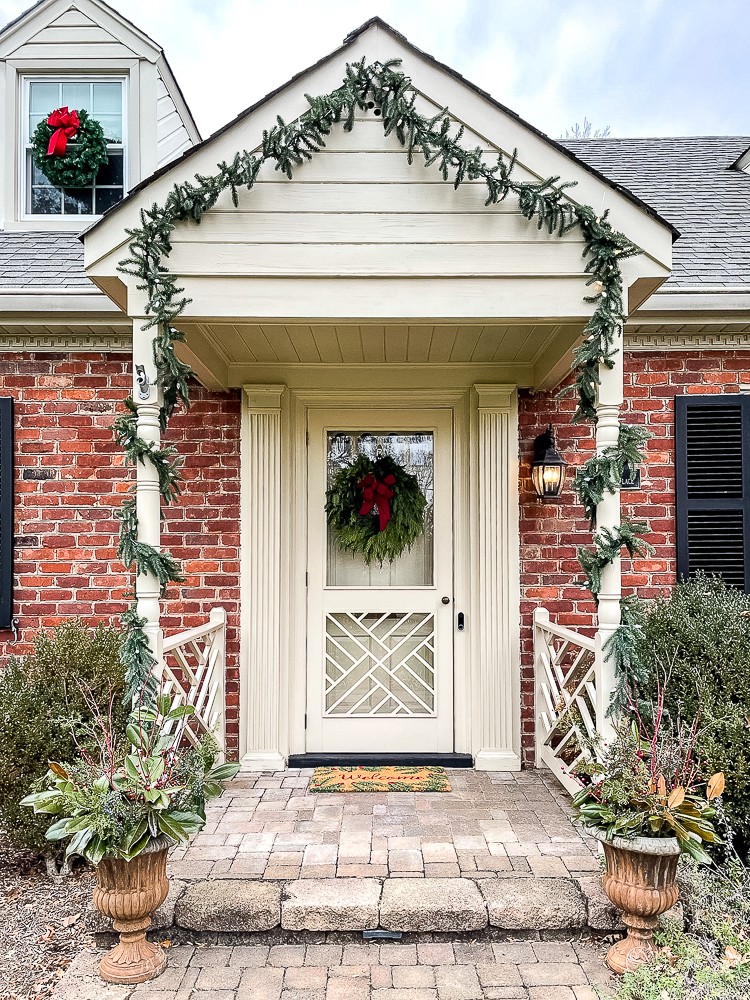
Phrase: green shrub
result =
(38, 693)
(695, 642)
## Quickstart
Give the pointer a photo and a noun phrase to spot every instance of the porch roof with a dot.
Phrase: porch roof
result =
(360, 238)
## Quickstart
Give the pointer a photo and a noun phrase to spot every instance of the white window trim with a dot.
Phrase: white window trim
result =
(24, 138)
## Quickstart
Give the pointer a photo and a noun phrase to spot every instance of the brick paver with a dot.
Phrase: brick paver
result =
(491, 825)
(393, 971)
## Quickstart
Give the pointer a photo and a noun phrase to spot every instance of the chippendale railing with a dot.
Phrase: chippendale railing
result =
(193, 674)
(565, 667)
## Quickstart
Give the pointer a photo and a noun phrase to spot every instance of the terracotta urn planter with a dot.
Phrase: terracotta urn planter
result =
(128, 892)
(641, 881)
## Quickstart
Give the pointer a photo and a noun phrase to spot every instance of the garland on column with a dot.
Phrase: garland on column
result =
(288, 145)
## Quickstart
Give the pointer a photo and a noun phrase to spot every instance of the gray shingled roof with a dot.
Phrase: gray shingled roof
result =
(688, 182)
(48, 260)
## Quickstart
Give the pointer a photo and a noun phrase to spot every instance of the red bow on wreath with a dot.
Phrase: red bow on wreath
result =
(66, 124)
(377, 493)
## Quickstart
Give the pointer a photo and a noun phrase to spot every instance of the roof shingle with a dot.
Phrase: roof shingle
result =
(689, 182)
(46, 260)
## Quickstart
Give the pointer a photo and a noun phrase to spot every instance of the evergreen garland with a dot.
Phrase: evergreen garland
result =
(85, 153)
(360, 533)
(603, 473)
(288, 145)
(607, 545)
(622, 647)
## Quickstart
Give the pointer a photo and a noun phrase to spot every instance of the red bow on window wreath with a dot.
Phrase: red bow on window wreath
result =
(373, 493)
(66, 123)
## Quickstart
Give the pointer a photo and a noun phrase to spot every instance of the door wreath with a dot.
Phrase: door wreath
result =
(376, 508)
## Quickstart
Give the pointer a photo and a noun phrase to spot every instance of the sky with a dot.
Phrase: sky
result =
(641, 67)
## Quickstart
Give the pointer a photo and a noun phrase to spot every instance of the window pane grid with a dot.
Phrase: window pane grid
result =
(103, 101)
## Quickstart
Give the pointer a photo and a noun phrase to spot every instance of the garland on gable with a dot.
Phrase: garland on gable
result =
(437, 141)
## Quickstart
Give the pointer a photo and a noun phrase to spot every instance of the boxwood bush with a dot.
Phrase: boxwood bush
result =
(695, 643)
(39, 694)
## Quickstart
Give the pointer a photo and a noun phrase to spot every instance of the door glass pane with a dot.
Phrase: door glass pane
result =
(414, 567)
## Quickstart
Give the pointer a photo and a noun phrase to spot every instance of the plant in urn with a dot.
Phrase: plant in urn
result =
(644, 797)
(123, 808)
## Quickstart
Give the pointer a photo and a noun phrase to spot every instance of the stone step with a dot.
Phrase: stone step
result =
(394, 904)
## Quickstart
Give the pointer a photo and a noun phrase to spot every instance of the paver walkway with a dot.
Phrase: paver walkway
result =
(492, 824)
(539, 970)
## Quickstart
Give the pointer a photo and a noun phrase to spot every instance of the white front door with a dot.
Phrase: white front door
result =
(380, 638)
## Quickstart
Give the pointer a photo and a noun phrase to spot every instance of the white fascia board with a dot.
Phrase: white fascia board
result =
(43, 301)
(703, 300)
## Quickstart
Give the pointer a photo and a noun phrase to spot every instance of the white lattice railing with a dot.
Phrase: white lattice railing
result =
(193, 674)
(565, 667)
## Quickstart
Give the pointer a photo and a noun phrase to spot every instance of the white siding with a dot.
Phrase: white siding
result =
(171, 135)
(73, 35)
(360, 208)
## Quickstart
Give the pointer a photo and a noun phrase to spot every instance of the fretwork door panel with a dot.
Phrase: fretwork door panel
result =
(380, 650)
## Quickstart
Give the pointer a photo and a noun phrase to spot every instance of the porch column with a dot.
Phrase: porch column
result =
(609, 400)
(148, 398)
(260, 684)
(495, 632)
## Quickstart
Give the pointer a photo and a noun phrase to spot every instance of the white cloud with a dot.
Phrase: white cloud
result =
(642, 67)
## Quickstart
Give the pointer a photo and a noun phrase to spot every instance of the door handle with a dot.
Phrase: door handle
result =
(461, 624)
(446, 600)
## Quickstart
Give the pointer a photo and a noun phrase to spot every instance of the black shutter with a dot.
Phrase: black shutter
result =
(712, 468)
(6, 512)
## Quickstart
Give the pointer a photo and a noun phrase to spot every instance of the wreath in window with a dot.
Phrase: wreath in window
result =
(376, 508)
(69, 148)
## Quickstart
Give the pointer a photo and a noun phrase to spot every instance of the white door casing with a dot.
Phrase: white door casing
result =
(380, 650)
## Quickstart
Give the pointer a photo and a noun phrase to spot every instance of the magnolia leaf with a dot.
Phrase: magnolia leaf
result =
(131, 766)
(58, 830)
(212, 789)
(676, 798)
(134, 735)
(78, 843)
(715, 785)
(155, 768)
(163, 703)
(662, 785)
(136, 847)
(95, 850)
(56, 769)
(135, 834)
(223, 772)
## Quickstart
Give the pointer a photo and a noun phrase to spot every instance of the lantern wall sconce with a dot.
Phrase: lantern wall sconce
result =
(548, 467)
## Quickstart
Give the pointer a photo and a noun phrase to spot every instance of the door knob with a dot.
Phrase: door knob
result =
(446, 600)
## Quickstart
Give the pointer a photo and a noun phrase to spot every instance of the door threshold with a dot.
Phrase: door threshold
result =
(380, 760)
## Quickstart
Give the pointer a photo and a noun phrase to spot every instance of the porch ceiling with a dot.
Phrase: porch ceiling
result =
(531, 355)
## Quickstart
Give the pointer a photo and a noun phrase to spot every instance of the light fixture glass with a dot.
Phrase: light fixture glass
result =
(548, 467)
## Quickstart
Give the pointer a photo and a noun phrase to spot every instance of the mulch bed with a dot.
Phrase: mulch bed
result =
(42, 923)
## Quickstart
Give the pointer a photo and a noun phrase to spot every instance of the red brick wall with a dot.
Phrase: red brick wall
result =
(70, 479)
(551, 532)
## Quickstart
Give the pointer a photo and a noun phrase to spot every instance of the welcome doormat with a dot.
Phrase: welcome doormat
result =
(380, 779)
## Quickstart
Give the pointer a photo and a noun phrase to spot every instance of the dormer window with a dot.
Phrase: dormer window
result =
(104, 99)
